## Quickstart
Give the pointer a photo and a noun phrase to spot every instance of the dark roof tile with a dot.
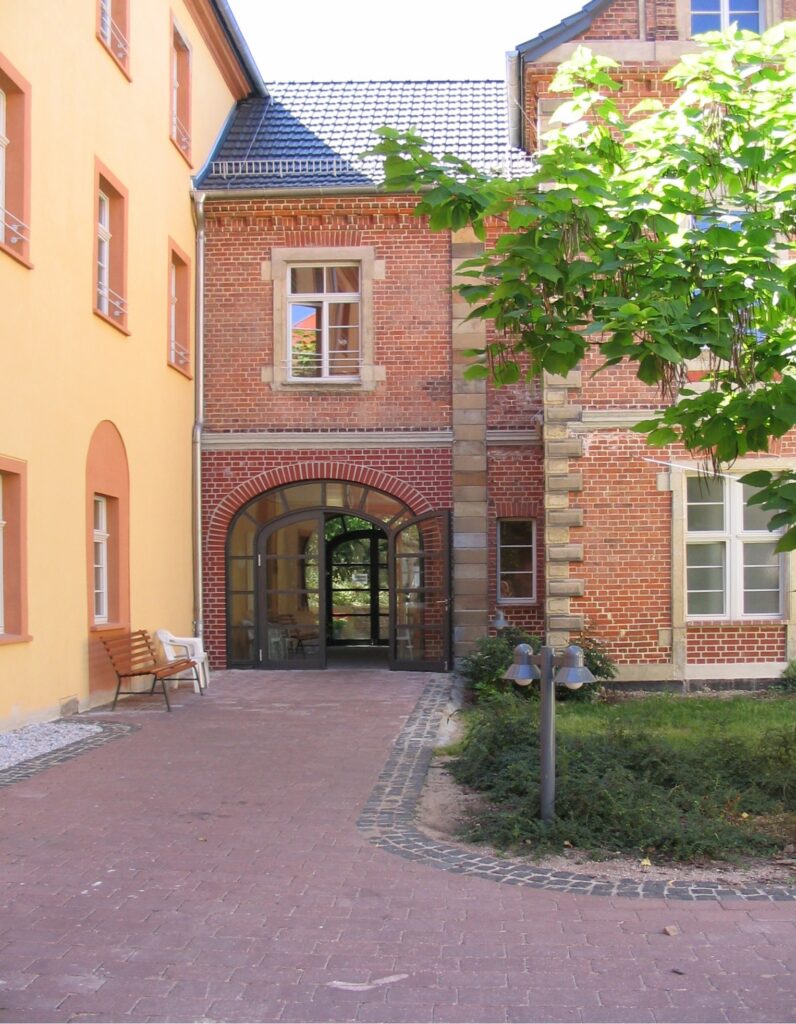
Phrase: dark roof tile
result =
(313, 134)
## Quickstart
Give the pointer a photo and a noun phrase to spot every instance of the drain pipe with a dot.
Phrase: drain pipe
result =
(198, 213)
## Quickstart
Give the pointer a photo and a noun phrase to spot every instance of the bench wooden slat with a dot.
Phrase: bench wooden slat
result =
(133, 654)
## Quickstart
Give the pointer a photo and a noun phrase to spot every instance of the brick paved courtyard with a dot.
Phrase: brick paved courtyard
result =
(250, 857)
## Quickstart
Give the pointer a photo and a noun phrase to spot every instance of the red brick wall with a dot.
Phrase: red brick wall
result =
(638, 80)
(627, 545)
(419, 477)
(619, 21)
(411, 307)
(733, 643)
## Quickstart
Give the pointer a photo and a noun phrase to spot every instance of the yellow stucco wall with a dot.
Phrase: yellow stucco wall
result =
(63, 370)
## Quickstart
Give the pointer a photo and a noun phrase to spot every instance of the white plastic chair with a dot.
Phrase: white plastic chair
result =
(178, 647)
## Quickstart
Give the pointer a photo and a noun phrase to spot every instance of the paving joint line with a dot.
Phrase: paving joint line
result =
(41, 762)
(388, 821)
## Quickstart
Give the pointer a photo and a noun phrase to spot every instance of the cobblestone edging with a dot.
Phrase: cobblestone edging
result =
(388, 821)
(33, 765)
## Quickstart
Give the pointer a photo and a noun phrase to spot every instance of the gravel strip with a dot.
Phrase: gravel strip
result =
(33, 740)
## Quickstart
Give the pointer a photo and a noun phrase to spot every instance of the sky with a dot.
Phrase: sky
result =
(370, 39)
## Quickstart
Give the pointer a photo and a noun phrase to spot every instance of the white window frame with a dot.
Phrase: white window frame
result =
(180, 132)
(3, 146)
(325, 300)
(726, 16)
(100, 578)
(110, 32)
(174, 345)
(2, 562)
(735, 540)
(508, 599)
(103, 252)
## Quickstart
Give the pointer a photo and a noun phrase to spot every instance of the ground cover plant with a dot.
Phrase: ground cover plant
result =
(664, 777)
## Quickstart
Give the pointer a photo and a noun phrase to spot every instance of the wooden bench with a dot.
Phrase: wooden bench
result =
(134, 654)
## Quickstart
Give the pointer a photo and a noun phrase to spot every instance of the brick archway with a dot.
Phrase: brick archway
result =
(299, 472)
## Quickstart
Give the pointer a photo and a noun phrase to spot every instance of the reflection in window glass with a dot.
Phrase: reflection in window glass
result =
(516, 560)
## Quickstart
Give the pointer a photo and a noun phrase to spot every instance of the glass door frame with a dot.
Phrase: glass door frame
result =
(262, 639)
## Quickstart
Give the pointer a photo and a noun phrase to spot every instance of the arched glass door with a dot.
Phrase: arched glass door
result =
(420, 569)
(327, 563)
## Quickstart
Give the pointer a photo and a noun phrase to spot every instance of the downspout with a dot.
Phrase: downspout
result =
(514, 98)
(642, 19)
(198, 213)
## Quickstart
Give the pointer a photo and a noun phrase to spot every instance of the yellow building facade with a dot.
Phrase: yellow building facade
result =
(107, 108)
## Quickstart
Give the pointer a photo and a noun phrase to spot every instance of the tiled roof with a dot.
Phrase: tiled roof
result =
(312, 134)
(569, 28)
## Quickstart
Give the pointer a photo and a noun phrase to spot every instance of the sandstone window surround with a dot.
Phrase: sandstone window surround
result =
(284, 270)
(696, 16)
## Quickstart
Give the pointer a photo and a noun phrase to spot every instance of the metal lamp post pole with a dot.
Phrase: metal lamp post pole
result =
(547, 734)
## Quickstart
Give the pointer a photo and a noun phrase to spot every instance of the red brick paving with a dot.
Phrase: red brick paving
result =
(208, 868)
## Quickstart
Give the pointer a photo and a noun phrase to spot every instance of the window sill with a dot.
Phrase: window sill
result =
(119, 324)
(16, 254)
(520, 602)
(121, 64)
(752, 620)
(182, 370)
(186, 156)
(14, 638)
(106, 627)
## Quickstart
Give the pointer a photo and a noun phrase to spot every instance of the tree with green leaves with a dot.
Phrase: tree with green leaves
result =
(657, 239)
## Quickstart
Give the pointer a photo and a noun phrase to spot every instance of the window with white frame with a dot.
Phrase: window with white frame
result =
(103, 252)
(110, 271)
(112, 29)
(516, 560)
(324, 322)
(717, 15)
(179, 318)
(2, 572)
(3, 148)
(733, 570)
(180, 92)
(14, 161)
(101, 538)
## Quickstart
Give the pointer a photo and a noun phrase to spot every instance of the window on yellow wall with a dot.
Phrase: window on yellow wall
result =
(110, 263)
(101, 538)
(179, 350)
(113, 31)
(180, 92)
(13, 602)
(14, 162)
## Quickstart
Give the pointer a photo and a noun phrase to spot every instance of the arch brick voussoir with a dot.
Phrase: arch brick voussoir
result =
(222, 514)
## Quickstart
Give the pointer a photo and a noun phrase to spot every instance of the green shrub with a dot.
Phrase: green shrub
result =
(620, 789)
(483, 669)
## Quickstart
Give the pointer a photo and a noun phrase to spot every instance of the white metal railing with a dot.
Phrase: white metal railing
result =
(316, 366)
(112, 35)
(180, 134)
(178, 355)
(114, 303)
(13, 230)
(287, 167)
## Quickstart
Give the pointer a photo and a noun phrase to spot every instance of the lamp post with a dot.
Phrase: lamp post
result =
(571, 673)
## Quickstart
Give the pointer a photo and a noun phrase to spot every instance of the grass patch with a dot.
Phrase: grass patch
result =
(674, 778)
